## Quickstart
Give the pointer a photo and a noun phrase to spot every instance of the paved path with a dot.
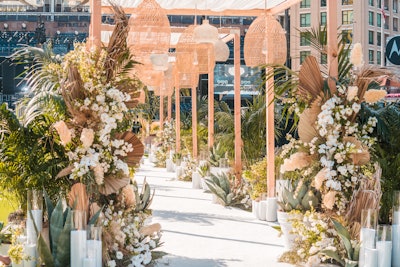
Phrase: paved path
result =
(197, 233)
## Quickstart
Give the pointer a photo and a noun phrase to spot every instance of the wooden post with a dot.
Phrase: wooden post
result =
(237, 107)
(95, 24)
(194, 122)
(270, 124)
(161, 112)
(332, 24)
(210, 108)
(178, 119)
(169, 116)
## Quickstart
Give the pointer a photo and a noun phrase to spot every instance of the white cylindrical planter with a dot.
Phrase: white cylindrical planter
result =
(255, 208)
(204, 184)
(262, 210)
(196, 180)
(169, 165)
(272, 208)
(286, 228)
(178, 172)
(371, 257)
(31, 254)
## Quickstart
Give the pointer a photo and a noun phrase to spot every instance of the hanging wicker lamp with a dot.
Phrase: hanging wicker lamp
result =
(265, 37)
(150, 31)
(187, 60)
(221, 50)
(205, 33)
(205, 57)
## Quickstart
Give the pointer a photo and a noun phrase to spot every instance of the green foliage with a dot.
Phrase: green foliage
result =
(229, 194)
(352, 253)
(204, 169)
(29, 155)
(217, 152)
(256, 176)
(299, 195)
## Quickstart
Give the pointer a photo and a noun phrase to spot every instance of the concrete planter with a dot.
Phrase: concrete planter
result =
(196, 180)
(286, 227)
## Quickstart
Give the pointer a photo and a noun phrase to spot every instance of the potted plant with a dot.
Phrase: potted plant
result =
(255, 176)
(204, 171)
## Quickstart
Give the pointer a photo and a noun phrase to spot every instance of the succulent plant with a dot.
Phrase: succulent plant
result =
(204, 169)
(144, 198)
(227, 192)
(299, 196)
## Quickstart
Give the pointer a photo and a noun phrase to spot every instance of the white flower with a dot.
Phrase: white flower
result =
(111, 263)
(119, 255)
(356, 107)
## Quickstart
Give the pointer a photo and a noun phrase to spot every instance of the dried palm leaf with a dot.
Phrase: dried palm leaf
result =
(117, 46)
(133, 157)
(311, 83)
(113, 184)
(129, 195)
(66, 171)
(362, 156)
(150, 229)
(367, 196)
(307, 121)
(368, 75)
(78, 198)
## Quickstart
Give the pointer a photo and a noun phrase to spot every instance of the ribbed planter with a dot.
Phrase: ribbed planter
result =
(286, 227)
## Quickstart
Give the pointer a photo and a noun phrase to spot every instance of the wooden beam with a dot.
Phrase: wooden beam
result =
(194, 122)
(178, 119)
(332, 25)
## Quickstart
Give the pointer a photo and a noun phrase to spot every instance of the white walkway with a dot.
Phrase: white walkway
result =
(197, 233)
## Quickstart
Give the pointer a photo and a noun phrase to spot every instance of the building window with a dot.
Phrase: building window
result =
(347, 17)
(347, 2)
(370, 37)
(324, 58)
(323, 18)
(395, 24)
(371, 2)
(305, 20)
(378, 19)
(323, 3)
(395, 6)
(379, 3)
(371, 18)
(305, 3)
(386, 23)
(371, 57)
(304, 39)
(378, 38)
(347, 36)
(378, 57)
(303, 55)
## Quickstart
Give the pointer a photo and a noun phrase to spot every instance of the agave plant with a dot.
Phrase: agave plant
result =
(352, 252)
(299, 196)
(144, 198)
(228, 194)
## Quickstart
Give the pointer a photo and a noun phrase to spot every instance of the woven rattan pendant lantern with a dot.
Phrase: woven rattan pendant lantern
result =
(221, 51)
(150, 31)
(205, 33)
(265, 38)
(187, 56)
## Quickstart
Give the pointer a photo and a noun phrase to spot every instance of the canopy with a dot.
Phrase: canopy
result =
(216, 7)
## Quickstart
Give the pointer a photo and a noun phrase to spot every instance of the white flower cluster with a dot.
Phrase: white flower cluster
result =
(344, 139)
(124, 226)
(314, 235)
(98, 148)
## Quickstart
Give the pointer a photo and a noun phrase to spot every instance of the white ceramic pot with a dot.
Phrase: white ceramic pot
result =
(13, 264)
(286, 227)
(170, 165)
(255, 208)
(204, 184)
(262, 210)
(271, 209)
(196, 180)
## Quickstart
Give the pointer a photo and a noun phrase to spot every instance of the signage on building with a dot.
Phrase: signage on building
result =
(393, 50)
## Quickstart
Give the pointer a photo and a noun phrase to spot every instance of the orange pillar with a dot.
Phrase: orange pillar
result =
(270, 136)
(332, 24)
(210, 108)
(237, 106)
(161, 112)
(95, 24)
(178, 119)
(169, 116)
(194, 122)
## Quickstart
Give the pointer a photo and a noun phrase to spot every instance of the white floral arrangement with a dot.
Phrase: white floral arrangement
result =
(332, 156)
